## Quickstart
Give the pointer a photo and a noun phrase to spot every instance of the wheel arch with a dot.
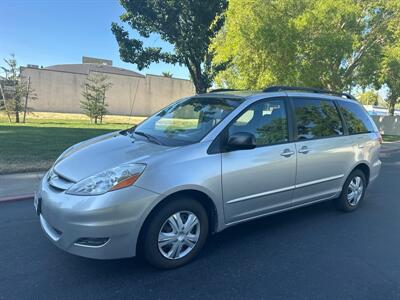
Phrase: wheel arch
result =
(364, 167)
(200, 196)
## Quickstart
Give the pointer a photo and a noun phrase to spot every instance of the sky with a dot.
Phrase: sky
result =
(50, 32)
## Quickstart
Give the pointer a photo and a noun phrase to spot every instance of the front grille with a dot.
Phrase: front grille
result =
(58, 182)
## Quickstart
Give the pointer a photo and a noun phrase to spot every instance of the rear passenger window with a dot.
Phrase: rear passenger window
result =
(356, 118)
(316, 119)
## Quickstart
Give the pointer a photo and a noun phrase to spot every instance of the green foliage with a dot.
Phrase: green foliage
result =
(94, 93)
(390, 74)
(16, 91)
(333, 44)
(167, 74)
(369, 98)
(187, 25)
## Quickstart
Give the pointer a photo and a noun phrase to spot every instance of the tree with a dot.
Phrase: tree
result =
(368, 98)
(332, 44)
(16, 91)
(167, 74)
(389, 73)
(94, 93)
(188, 25)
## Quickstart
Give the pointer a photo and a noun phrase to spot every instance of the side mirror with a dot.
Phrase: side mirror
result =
(241, 141)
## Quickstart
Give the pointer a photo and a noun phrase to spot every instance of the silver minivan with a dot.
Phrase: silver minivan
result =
(205, 163)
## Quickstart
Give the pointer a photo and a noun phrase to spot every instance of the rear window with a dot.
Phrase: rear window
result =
(356, 118)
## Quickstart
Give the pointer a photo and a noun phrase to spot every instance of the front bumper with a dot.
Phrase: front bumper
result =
(116, 217)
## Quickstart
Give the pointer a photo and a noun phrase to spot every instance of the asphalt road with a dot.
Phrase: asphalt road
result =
(309, 253)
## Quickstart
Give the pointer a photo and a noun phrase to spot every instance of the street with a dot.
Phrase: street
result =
(314, 252)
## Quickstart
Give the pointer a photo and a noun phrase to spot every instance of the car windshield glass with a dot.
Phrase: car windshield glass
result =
(187, 121)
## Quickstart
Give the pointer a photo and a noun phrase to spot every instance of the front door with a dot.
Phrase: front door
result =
(260, 180)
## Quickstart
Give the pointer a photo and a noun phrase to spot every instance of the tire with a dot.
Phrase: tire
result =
(175, 251)
(346, 202)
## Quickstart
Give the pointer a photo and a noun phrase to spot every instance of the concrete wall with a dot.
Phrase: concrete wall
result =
(389, 125)
(60, 91)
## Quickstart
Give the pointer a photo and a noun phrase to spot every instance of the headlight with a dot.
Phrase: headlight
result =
(110, 180)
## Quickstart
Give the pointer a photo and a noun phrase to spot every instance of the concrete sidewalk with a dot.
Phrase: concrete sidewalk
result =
(19, 186)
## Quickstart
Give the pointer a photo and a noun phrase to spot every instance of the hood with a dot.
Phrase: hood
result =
(102, 153)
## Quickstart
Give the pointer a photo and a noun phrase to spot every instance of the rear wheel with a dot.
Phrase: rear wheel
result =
(353, 191)
(176, 233)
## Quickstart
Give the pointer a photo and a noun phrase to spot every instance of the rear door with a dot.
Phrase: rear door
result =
(323, 150)
(259, 180)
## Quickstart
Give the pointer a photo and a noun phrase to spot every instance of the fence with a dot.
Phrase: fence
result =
(389, 125)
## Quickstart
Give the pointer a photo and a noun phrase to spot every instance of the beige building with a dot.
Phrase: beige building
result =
(59, 88)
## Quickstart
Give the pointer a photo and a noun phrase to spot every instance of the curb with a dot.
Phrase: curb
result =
(17, 198)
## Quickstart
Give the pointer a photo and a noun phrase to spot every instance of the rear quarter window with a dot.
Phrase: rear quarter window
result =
(356, 118)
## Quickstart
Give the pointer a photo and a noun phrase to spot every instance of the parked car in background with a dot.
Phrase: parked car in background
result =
(205, 163)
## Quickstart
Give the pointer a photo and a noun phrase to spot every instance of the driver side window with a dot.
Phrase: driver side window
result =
(266, 120)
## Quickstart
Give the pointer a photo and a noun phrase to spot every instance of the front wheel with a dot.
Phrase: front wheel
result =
(176, 233)
(353, 192)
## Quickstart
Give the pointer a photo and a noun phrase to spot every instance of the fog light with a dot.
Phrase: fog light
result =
(91, 242)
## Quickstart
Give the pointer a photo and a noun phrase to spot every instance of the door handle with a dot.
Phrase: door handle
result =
(304, 150)
(287, 153)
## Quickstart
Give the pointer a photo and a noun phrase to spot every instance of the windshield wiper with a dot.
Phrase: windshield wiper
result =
(150, 137)
(126, 131)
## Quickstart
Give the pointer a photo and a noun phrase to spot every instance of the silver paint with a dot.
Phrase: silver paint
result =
(242, 185)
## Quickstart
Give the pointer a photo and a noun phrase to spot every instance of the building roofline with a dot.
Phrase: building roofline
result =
(155, 75)
(83, 73)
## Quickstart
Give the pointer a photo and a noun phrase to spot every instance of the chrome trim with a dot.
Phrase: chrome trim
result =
(319, 181)
(91, 246)
(261, 194)
(284, 189)
(287, 153)
(279, 211)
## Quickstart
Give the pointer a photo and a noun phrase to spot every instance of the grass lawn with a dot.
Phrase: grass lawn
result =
(35, 145)
(391, 138)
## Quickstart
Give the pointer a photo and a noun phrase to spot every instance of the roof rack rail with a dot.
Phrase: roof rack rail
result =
(223, 90)
(280, 88)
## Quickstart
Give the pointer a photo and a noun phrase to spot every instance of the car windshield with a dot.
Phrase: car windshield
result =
(187, 121)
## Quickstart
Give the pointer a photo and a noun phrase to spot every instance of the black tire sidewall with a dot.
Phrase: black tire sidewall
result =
(156, 221)
(343, 202)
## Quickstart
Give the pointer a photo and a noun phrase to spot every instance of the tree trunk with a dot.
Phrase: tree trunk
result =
(391, 107)
(198, 80)
(16, 111)
(200, 86)
(26, 99)
(5, 103)
(392, 103)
